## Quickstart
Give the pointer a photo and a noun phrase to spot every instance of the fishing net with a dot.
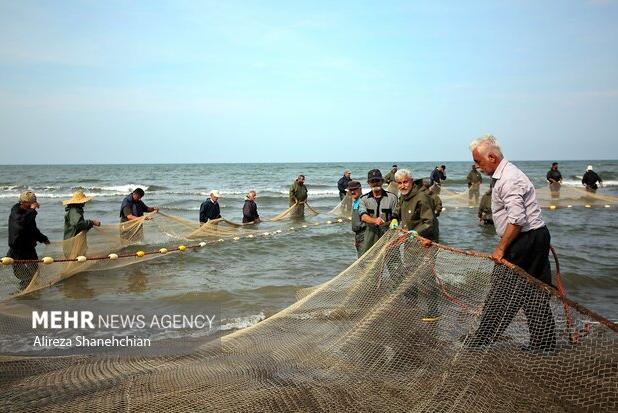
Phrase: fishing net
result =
(343, 208)
(295, 211)
(563, 196)
(154, 231)
(556, 197)
(360, 343)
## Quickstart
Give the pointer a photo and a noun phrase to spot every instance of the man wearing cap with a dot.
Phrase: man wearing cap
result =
(376, 209)
(343, 182)
(437, 175)
(298, 195)
(74, 223)
(554, 177)
(210, 208)
(590, 179)
(23, 237)
(358, 226)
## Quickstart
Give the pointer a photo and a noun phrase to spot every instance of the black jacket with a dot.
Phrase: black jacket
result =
(591, 178)
(209, 210)
(249, 211)
(436, 176)
(23, 232)
(342, 184)
(555, 175)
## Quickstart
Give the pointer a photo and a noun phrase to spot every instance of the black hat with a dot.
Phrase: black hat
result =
(374, 174)
(354, 185)
(443, 166)
(394, 166)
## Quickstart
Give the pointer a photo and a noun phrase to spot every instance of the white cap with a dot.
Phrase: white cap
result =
(589, 168)
(215, 193)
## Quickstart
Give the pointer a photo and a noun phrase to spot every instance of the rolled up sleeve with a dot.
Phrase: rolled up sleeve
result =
(514, 203)
(362, 209)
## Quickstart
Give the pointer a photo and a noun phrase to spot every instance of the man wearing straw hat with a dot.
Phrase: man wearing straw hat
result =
(74, 223)
(23, 237)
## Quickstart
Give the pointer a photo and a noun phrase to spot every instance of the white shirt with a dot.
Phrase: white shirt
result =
(513, 200)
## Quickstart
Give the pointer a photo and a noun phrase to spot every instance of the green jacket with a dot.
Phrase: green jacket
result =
(74, 221)
(416, 211)
(485, 206)
(298, 193)
(474, 177)
(390, 177)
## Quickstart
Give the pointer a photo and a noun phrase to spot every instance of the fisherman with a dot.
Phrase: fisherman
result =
(390, 177)
(475, 180)
(298, 196)
(437, 175)
(415, 211)
(210, 208)
(590, 179)
(249, 209)
(74, 223)
(131, 209)
(485, 209)
(389, 180)
(343, 182)
(376, 209)
(23, 237)
(358, 226)
(554, 177)
(524, 241)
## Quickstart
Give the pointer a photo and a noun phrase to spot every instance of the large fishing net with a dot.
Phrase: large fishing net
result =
(116, 245)
(552, 198)
(360, 343)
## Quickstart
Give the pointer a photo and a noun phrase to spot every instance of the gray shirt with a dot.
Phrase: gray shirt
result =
(513, 200)
(382, 207)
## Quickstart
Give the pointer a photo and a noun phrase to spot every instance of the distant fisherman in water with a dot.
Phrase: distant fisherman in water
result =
(554, 177)
(249, 210)
(524, 241)
(358, 226)
(437, 175)
(590, 179)
(475, 180)
(390, 177)
(485, 209)
(298, 195)
(74, 223)
(210, 208)
(376, 209)
(23, 237)
(343, 182)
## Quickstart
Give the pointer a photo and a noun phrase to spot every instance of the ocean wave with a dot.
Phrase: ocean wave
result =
(238, 323)
(578, 183)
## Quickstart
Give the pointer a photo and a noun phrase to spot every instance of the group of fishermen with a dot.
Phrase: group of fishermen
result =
(591, 180)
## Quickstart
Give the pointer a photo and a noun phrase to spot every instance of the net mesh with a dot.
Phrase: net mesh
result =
(360, 343)
(564, 197)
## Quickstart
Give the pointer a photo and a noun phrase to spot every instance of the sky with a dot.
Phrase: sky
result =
(305, 81)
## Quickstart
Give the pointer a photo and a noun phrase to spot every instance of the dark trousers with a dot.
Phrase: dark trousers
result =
(24, 272)
(509, 293)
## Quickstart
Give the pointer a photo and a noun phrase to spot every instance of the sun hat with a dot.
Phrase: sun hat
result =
(78, 198)
(215, 193)
(27, 196)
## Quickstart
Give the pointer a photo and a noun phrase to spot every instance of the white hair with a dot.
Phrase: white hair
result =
(487, 144)
(403, 173)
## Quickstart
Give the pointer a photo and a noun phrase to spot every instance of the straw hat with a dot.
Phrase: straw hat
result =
(27, 196)
(78, 198)
(215, 193)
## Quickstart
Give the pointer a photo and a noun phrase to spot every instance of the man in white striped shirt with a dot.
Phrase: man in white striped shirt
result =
(524, 241)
